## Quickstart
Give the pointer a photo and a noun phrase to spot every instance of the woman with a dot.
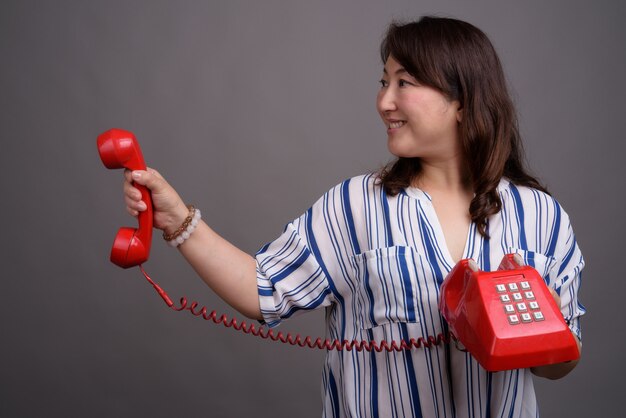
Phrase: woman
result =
(375, 248)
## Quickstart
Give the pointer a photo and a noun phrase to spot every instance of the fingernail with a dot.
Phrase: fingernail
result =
(136, 175)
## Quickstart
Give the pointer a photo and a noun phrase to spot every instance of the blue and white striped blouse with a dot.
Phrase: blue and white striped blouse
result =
(376, 262)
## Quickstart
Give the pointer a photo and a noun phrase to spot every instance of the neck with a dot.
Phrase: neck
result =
(449, 175)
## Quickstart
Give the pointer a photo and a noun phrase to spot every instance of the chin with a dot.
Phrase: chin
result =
(402, 152)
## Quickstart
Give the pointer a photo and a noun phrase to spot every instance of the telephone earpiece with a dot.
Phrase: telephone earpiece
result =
(120, 149)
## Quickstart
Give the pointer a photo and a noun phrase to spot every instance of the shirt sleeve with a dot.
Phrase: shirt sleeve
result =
(566, 276)
(290, 275)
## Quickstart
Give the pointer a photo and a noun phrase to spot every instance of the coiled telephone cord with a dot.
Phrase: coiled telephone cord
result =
(327, 344)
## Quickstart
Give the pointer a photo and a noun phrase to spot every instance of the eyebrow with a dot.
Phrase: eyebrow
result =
(398, 71)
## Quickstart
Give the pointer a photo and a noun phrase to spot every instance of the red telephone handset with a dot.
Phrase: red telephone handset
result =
(120, 149)
(507, 319)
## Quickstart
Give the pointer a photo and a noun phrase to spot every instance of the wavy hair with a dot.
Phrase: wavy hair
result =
(457, 59)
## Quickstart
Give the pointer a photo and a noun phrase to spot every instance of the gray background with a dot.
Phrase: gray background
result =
(252, 110)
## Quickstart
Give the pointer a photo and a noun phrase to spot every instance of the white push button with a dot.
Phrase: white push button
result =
(533, 305)
(522, 307)
(538, 316)
(525, 285)
(512, 287)
(509, 309)
(505, 298)
(513, 319)
(517, 296)
(501, 288)
(529, 295)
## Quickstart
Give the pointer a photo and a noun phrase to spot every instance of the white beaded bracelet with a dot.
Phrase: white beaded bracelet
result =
(186, 233)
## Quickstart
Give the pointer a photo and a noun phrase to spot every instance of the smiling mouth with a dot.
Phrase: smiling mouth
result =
(396, 124)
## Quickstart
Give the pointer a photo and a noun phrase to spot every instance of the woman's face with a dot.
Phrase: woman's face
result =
(421, 121)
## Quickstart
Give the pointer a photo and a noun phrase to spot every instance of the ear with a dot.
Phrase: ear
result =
(459, 114)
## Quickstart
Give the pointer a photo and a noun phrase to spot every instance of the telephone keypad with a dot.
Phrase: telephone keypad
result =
(523, 299)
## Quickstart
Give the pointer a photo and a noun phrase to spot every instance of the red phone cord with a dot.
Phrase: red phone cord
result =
(326, 344)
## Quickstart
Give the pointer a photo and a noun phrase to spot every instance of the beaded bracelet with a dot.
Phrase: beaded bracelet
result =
(184, 231)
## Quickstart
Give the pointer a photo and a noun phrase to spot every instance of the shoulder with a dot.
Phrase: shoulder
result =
(524, 196)
(360, 186)
(352, 195)
(339, 209)
(368, 181)
(531, 205)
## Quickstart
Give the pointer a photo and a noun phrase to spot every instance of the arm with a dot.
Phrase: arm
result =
(228, 271)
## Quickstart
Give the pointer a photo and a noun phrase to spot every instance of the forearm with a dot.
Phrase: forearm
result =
(228, 271)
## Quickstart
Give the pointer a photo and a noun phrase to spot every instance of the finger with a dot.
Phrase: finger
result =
(132, 212)
(131, 192)
(127, 175)
(557, 298)
(136, 205)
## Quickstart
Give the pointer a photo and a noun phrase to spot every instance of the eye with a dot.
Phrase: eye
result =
(404, 83)
(383, 83)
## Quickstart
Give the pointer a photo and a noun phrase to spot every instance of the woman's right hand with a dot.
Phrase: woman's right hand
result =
(169, 209)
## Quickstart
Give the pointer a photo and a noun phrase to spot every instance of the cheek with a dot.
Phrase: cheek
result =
(413, 107)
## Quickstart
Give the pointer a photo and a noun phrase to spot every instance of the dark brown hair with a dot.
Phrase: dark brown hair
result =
(458, 59)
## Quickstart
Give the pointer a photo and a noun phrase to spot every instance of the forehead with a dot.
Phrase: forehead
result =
(393, 67)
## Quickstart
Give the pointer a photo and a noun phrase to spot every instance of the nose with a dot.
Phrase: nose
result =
(386, 101)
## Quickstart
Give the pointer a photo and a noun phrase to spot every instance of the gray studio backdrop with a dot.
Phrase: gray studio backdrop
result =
(253, 110)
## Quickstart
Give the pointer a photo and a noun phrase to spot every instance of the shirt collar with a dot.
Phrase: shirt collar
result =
(417, 193)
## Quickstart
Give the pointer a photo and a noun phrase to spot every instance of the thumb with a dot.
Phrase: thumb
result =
(150, 179)
(557, 298)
